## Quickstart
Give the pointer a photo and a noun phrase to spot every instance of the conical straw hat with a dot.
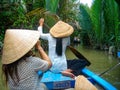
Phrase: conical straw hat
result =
(61, 29)
(17, 43)
(81, 83)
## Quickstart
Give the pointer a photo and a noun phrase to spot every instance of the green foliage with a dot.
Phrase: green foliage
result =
(68, 10)
(117, 34)
(111, 22)
(86, 25)
(52, 5)
(50, 18)
(7, 16)
(22, 20)
(100, 24)
(104, 16)
(33, 4)
(97, 19)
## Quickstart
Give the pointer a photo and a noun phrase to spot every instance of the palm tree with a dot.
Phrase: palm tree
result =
(86, 25)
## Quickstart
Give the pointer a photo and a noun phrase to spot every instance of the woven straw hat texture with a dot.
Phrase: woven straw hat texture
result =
(82, 83)
(61, 29)
(17, 43)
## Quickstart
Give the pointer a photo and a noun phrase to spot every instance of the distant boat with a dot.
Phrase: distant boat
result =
(76, 40)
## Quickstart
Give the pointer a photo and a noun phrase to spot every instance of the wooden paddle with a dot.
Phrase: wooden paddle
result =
(79, 55)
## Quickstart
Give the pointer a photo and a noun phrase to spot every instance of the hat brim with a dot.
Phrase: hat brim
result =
(61, 29)
(17, 43)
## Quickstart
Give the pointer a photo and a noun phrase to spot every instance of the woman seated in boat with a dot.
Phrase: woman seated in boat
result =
(58, 40)
(18, 63)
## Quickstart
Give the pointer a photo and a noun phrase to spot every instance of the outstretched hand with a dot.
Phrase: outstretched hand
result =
(41, 21)
(68, 73)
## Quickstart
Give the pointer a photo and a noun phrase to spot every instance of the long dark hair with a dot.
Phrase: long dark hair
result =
(11, 69)
(59, 46)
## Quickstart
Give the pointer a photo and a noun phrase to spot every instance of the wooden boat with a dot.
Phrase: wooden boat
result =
(58, 81)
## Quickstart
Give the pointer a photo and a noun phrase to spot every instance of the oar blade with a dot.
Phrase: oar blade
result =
(79, 55)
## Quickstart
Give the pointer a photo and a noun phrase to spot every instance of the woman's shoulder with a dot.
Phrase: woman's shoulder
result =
(34, 58)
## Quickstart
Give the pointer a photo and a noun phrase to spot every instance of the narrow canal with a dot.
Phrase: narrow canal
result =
(100, 62)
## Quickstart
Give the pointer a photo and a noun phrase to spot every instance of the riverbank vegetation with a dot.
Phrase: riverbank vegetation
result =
(97, 26)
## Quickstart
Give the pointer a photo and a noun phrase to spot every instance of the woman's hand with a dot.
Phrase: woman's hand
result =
(68, 73)
(41, 21)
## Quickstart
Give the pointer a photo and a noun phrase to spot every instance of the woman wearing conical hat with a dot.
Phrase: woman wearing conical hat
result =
(58, 39)
(18, 63)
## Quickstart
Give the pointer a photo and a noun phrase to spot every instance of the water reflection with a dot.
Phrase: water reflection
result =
(101, 61)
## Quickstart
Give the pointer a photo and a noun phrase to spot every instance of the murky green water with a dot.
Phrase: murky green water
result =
(101, 62)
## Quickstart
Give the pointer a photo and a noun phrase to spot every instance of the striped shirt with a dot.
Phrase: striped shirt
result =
(27, 71)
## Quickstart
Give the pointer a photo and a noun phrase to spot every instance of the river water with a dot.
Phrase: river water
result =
(100, 62)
